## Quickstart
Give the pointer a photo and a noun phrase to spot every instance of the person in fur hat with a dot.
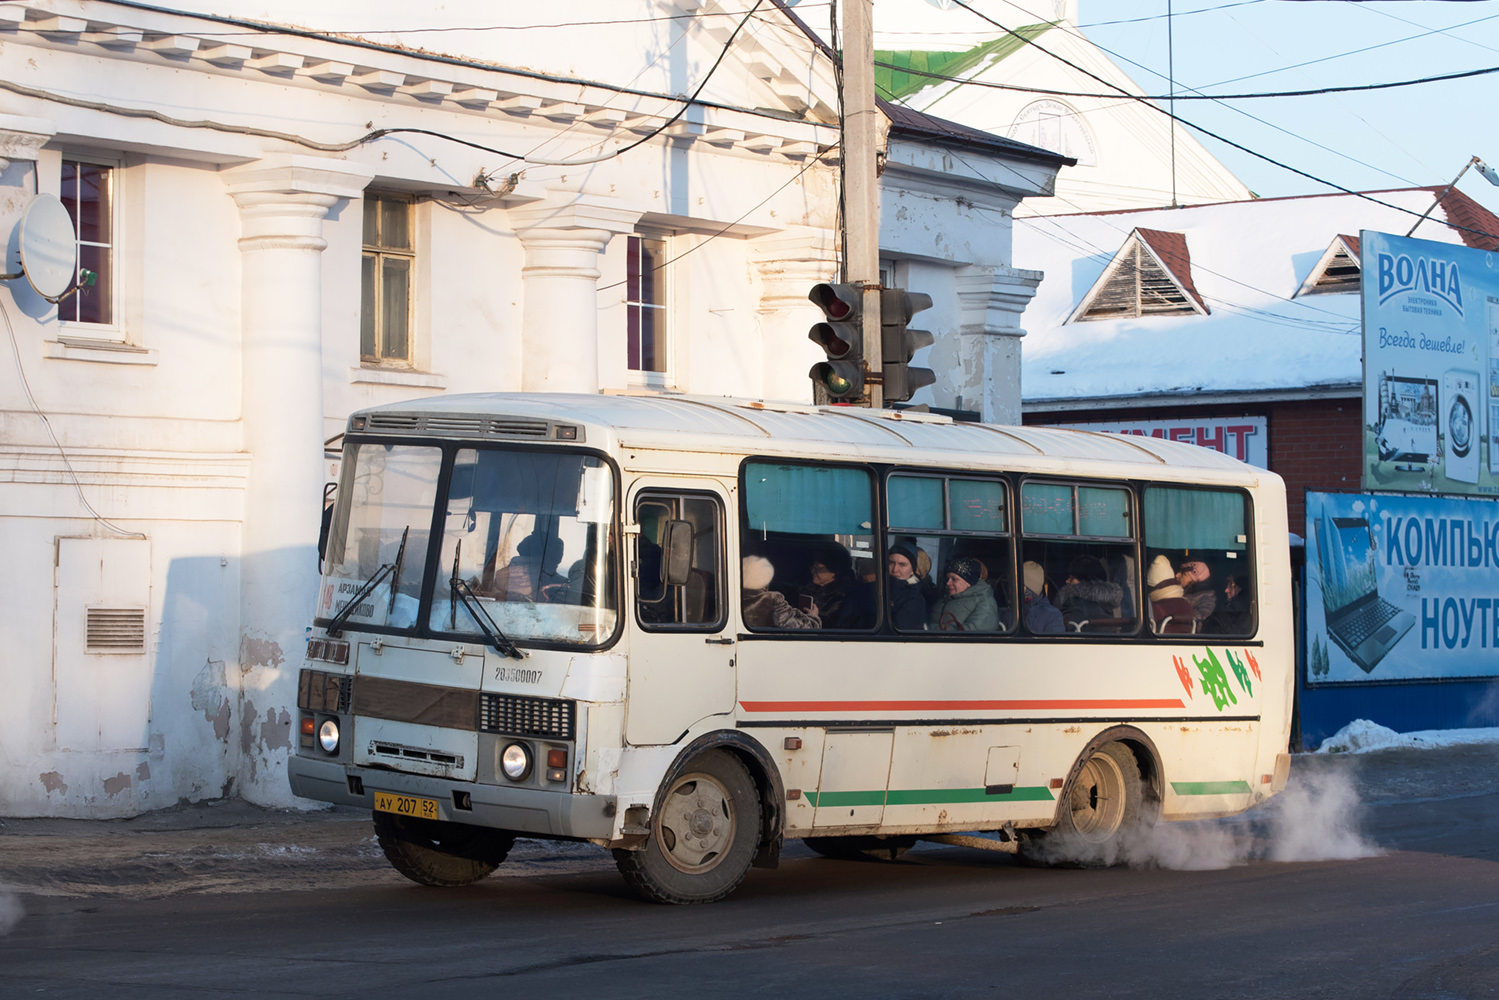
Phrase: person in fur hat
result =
(1088, 593)
(766, 608)
(969, 603)
(1041, 616)
(1167, 599)
(907, 606)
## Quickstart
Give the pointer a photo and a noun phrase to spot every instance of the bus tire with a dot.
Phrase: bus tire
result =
(861, 848)
(444, 855)
(1101, 808)
(704, 834)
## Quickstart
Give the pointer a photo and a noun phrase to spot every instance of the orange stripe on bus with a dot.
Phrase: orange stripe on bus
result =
(958, 706)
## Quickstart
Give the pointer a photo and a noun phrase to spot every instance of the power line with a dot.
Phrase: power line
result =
(1226, 141)
(1315, 92)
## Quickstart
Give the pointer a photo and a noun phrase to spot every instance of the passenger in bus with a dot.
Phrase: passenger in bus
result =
(1169, 608)
(1041, 617)
(907, 606)
(843, 600)
(969, 604)
(526, 576)
(1233, 615)
(1197, 586)
(766, 608)
(1088, 595)
(930, 592)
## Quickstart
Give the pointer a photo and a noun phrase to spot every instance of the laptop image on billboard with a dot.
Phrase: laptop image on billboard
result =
(1363, 624)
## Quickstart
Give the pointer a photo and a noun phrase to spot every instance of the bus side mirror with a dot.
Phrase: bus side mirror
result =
(676, 551)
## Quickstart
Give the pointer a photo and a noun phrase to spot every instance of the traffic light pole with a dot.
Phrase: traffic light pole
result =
(861, 204)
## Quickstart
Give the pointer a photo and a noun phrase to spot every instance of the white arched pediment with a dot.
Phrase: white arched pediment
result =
(1051, 124)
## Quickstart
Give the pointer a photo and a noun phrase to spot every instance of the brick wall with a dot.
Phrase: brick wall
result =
(1314, 444)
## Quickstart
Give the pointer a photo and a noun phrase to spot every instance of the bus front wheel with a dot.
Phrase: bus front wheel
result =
(1101, 809)
(703, 835)
(445, 855)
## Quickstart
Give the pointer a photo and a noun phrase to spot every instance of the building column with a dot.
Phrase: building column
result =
(563, 236)
(789, 264)
(992, 299)
(282, 202)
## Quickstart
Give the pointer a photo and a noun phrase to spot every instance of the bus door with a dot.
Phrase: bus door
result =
(681, 651)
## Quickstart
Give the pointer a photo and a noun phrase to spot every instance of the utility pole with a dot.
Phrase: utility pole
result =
(861, 204)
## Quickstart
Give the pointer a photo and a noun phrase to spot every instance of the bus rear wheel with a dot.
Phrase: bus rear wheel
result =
(703, 836)
(861, 848)
(445, 855)
(1100, 809)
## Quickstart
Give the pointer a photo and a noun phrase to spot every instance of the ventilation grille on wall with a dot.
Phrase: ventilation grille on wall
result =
(116, 630)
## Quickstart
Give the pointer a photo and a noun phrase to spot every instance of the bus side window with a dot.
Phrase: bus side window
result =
(1081, 536)
(813, 524)
(938, 523)
(697, 602)
(1198, 568)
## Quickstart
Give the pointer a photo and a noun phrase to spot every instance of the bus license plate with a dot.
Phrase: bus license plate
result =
(406, 805)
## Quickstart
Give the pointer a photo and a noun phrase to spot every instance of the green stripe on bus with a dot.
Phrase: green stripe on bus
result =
(926, 796)
(1210, 787)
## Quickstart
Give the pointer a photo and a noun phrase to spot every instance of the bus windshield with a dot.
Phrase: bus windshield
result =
(526, 539)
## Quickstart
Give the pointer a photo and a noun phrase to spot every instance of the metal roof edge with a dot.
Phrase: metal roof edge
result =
(1337, 390)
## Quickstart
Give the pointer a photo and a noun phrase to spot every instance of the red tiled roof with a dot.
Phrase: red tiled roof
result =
(1351, 242)
(1171, 248)
(1467, 214)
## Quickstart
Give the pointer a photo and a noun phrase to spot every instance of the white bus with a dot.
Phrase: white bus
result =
(687, 629)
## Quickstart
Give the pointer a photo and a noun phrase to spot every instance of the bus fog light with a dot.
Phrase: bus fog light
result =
(327, 736)
(515, 761)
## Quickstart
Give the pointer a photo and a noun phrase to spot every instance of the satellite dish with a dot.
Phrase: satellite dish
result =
(49, 249)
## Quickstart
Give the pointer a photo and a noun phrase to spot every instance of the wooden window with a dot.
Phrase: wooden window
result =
(645, 305)
(1337, 271)
(1151, 275)
(389, 269)
(88, 192)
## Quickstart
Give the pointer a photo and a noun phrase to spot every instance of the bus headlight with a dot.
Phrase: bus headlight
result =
(327, 736)
(515, 761)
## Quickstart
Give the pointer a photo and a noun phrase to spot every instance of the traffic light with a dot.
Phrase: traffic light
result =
(898, 344)
(841, 337)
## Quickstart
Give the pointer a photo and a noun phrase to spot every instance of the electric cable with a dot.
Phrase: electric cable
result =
(1213, 135)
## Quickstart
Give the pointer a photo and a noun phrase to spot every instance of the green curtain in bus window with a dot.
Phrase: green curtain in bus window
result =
(808, 499)
(915, 502)
(1103, 512)
(976, 505)
(1194, 519)
(1046, 508)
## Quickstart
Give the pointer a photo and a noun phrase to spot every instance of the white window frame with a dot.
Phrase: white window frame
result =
(114, 330)
(663, 309)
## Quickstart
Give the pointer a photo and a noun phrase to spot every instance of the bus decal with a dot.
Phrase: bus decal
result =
(1181, 672)
(926, 796)
(1253, 664)
(959, 706)
(1215, 680)
(1240, 672)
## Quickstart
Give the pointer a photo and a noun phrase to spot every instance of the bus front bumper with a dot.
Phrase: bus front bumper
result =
(519, 810)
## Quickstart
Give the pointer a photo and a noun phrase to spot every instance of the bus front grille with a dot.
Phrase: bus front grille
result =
(514, 715)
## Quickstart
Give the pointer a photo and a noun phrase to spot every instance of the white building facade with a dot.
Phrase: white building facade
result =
(284, 225)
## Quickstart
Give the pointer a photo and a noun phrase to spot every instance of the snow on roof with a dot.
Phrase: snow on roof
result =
(1248, 260)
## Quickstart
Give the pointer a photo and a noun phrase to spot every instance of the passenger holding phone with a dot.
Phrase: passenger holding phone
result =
(766, 608)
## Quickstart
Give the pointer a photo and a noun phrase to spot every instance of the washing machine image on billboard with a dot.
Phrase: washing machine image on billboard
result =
(1492, 316)
(1460, 411)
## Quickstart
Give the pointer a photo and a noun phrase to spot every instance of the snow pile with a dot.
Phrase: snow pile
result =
(1363, 736)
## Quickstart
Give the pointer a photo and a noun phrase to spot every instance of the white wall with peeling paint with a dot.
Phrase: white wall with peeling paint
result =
(196, 424)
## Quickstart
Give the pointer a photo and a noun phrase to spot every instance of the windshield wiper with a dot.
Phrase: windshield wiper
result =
(391, 569)
(461, 591)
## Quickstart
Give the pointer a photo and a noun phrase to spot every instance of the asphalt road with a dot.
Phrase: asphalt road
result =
(1418, 920)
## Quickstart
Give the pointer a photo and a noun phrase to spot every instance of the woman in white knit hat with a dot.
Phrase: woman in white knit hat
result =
(766, 608)
(1167, 599)
(1041, 616)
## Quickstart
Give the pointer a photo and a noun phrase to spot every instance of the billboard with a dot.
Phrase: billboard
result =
(1431, 366)
(1243, 438)
(1401, 588)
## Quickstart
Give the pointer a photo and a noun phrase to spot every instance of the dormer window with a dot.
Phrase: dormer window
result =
(1151, 275)
(1337, 271)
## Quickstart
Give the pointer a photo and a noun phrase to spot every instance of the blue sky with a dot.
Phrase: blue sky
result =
(1380, 139)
